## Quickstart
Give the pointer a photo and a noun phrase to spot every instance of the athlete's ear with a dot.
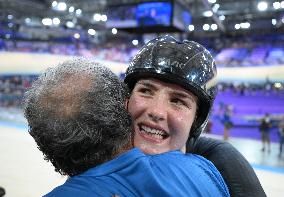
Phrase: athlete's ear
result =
(126, 104)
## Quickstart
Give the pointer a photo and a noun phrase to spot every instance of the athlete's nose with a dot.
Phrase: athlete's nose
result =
(157, 111)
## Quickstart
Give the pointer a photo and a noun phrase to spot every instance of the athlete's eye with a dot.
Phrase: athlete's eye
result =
(179, 102)
(144, 90)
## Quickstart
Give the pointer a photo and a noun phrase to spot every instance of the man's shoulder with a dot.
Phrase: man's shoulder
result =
(123, 161)
(180, 155)
(178, 159)
(78, 186)
(191, 169)
(67, 190)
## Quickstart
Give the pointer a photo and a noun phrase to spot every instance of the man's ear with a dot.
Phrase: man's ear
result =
(126, 104)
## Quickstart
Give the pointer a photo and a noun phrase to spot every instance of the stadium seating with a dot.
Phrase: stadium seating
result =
(238, 55)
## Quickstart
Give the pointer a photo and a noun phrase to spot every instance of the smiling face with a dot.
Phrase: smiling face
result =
(162, 115)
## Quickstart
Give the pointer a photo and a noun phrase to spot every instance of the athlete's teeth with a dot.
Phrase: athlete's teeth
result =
(152, 131)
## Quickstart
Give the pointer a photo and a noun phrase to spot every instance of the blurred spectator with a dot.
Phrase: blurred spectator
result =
(233, 54)
(244, 89)
(226, 120)
(12, 88)
(110, 51)
(281, 134)
(264, 128)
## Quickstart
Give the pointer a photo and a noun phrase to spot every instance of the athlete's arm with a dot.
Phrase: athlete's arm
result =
(234, 168)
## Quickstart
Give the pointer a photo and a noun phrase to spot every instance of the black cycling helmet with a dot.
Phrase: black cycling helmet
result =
(186, 63)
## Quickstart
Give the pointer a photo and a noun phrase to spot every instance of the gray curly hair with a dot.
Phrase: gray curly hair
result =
(77, 117)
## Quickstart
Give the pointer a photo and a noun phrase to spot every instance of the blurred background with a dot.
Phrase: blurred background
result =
(246, 38)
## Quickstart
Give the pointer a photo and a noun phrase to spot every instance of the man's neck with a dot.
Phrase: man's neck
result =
(124, 149)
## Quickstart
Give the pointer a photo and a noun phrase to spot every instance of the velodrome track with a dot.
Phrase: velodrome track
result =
(24, 172)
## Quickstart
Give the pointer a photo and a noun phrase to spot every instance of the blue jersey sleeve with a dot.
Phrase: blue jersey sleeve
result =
(212, 171)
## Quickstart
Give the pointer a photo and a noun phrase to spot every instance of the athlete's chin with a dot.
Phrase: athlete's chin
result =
(149, 149)
(152, 151)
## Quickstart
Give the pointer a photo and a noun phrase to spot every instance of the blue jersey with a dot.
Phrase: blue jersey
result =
(136, 174)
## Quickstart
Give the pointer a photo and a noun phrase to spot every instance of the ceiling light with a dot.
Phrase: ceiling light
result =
(190, 27)
(27, 20)
(46, 21)
(206, 27)
(135, 42)
(61, 6)
(97, 17)
(71, 9)
(54, 4)
(245, 25)
(70, 24)
(56, 21)
(212, 1)
(273, 21)
(114, 31)
(77, 35)
(104, 18)
(78, 12)
(237, 26)
(214, 27)
(262, 6)
(208, 13)
(222, 17)
(282, 4)
(10, 17)
(215, 7)
(91, 32)
(276, 5)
